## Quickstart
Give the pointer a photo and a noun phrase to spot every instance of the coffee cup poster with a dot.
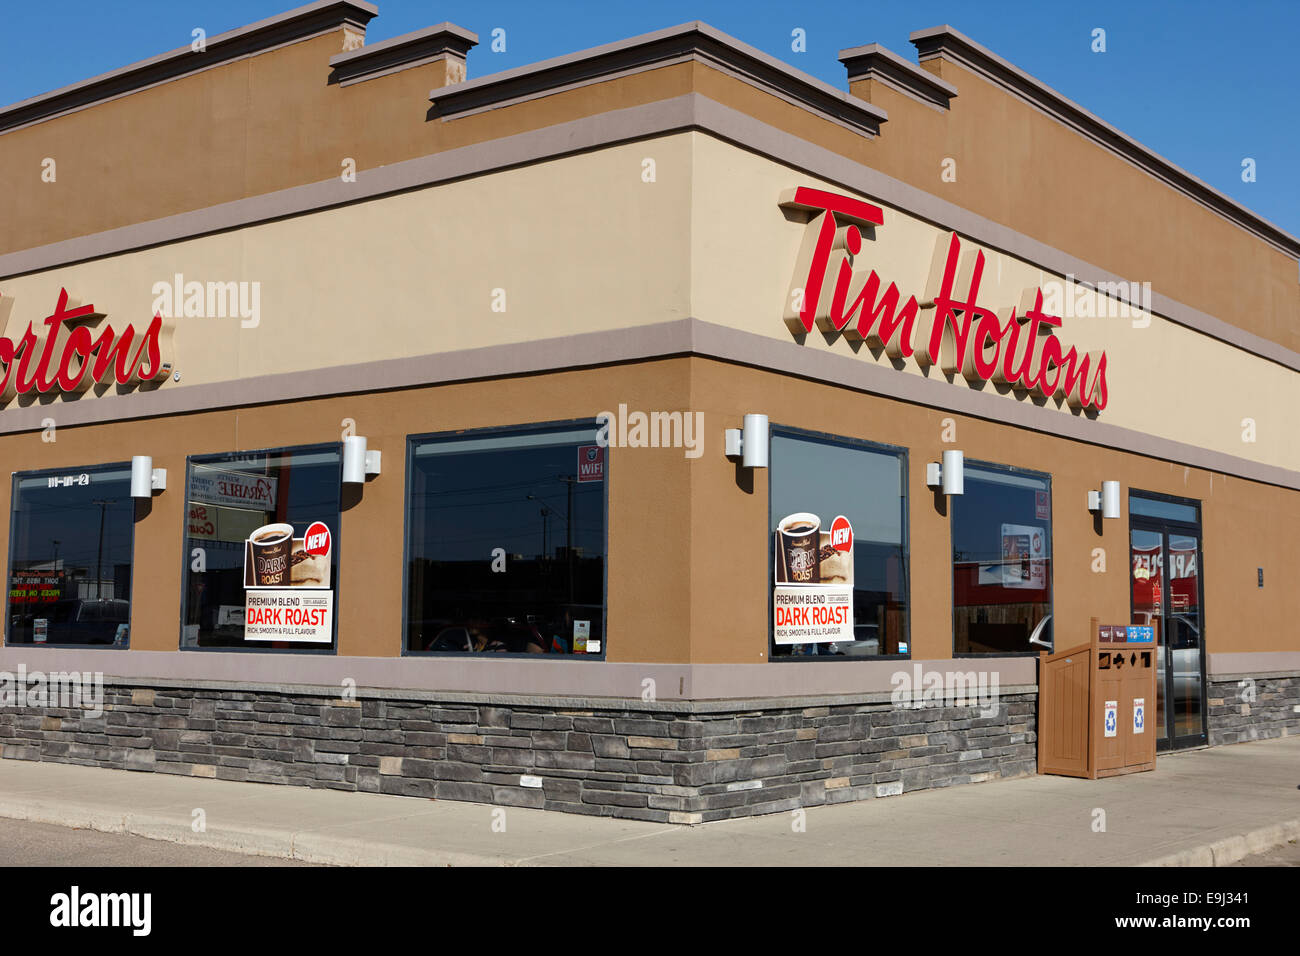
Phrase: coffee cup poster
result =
(812, 601)
(287, 594)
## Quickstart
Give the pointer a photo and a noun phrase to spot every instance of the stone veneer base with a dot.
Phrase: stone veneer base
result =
(674, 764)
(1252, 707)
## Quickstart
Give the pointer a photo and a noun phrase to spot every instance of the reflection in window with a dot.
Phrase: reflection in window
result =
(70, 548)
(230, 498)
(816, 479)
(1002, 560)
(506, 547)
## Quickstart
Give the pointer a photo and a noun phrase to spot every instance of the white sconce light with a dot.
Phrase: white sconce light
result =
(950, 475)
(750, 443)
(145, 478)
(1106, 501)
(358, 462)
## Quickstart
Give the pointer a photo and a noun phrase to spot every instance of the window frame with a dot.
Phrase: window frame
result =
(15, 477)
(332, 649)
(501, 431)
(902, 453)
(1051, 560)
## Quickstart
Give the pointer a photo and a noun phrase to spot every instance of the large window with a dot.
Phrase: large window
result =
(1001, 561)
(506, 542)
(838, 547)
(70, 545)
(261, 550)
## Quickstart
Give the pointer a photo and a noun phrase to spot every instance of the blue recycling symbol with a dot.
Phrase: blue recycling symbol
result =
(1110, 720)
(1137, 718)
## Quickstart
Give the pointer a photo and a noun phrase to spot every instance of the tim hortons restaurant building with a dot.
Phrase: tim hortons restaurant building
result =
(655, 431)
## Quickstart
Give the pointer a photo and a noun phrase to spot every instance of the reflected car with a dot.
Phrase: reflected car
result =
(93, 621)
(451, 639)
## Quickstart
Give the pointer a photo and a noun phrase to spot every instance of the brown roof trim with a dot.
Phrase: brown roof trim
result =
(664, 117)
(519, 681)
(689, 336)
(950, 44)
(874, 62)
(401, 52)
(301, 23)
(687, 41)
(688, 111)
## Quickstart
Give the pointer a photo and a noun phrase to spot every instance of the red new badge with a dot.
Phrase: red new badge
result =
(317, 539)
(841, 534)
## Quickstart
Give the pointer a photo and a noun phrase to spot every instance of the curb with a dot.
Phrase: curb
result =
(306, 846)
(1232, 849)
(314, 846)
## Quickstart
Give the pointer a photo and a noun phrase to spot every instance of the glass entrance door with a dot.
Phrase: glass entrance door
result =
(1166, 589)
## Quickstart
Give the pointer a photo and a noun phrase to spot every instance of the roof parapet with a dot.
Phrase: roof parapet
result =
(686, 42)
(944, 42)
(874, 62)
(314, 19)
(443, 41)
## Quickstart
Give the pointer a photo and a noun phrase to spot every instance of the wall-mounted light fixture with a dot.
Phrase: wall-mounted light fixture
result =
(1106, 501)
(358, 462)
(145, 478)
(950, 475)
(750, 444)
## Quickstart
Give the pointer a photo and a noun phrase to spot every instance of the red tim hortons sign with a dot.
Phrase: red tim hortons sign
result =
(62, 354)
(949, 327)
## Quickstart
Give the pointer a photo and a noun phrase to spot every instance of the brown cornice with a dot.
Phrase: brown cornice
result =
(949, 44)
(874, 62)
(688, 41)
(690, 111)
(671, 339)
(411, 49)
(289, 27)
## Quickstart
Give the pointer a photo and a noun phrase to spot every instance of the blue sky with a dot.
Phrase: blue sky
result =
(1204, 84)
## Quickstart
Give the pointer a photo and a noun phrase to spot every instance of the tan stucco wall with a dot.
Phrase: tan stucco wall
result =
(644, 512)
(584, 244)
(251, 127)
(1246, 525)
(273, 121)
(1018, 166)
(688, 573)
(576, 245)
(1163, 378)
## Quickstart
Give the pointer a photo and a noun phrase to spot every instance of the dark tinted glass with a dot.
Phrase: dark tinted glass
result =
(70, 550)
(506, 547)
(1002, 560)
(1159, 508)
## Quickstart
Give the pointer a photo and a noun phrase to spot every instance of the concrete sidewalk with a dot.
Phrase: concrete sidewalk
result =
(1207, 807)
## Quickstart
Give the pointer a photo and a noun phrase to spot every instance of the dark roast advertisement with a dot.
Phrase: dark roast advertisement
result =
(287, 584)
(812, 601)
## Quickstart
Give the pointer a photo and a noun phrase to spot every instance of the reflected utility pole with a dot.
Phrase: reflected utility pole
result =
(569, 481)
(99, 560)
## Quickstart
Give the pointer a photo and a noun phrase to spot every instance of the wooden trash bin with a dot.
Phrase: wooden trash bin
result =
(1096, 704)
